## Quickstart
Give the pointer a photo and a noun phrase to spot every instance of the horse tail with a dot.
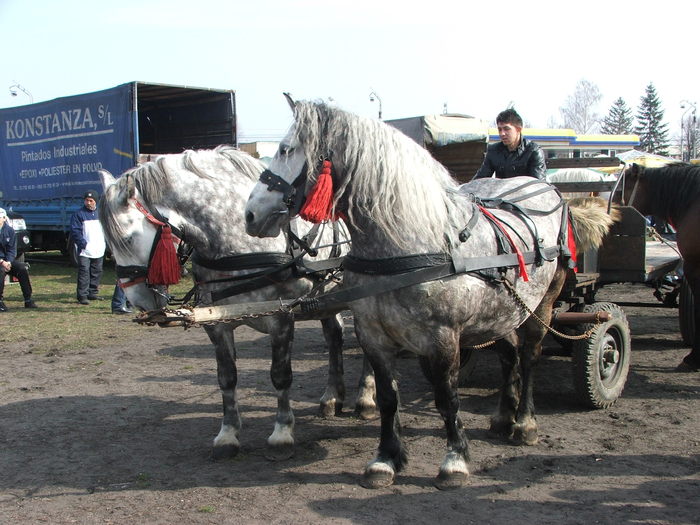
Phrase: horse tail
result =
(591, 221)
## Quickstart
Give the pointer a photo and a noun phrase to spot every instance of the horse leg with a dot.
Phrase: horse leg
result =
(280, 444)
(525, 430)
(334, 396)
(391, 455)
(444, 373)
(503, 421)
(366, 403)
(692, 275)
(226, 444)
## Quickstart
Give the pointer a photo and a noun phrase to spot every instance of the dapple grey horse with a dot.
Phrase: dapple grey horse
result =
(493, 272)
(202, 194)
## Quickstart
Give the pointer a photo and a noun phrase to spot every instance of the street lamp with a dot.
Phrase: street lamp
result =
(374, 95)
(13, 91)
(687, 105)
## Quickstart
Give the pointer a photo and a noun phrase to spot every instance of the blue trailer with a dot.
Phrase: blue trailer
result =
(50, 151)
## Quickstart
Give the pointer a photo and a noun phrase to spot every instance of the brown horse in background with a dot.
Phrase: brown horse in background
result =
(672, 194)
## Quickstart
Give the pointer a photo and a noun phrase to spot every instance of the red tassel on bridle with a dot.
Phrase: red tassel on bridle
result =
(164, 267)
(319, 201)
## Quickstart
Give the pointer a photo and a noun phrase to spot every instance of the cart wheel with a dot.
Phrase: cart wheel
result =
(602, 361)
(686, 313)
(467, 364)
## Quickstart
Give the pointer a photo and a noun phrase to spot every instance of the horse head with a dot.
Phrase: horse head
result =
(282, 189)
(632, 189)
(131, 237)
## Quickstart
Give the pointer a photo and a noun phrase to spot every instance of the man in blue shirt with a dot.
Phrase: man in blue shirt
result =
(8, 264)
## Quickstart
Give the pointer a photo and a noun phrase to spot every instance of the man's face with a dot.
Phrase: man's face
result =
(509, 135)
(2, 221)
(90, 203)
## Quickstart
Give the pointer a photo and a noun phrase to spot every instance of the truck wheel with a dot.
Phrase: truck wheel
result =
(601, 362)
(686, 313)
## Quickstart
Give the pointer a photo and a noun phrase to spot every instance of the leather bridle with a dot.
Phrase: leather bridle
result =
(137, 274)
(292, 194)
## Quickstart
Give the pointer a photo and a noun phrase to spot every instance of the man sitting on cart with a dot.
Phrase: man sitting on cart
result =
(514, 155)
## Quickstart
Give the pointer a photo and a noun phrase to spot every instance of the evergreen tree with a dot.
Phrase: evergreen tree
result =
(619, 120)
(650, 128)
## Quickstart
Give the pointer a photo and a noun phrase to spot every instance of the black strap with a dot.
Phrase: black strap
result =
(388, 283)
(394, 265)
(243, 261)
(291, 193)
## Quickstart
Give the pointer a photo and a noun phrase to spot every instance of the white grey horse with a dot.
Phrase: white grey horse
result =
(409, 220)
(202, 194)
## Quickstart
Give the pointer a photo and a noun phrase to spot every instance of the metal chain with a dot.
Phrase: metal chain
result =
(549, 328)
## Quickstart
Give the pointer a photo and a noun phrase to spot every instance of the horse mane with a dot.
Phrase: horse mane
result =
(396, 184)
(153, 180)
(672, 189)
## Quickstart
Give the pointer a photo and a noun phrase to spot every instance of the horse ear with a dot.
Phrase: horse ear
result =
(290, 101)
(106, 178)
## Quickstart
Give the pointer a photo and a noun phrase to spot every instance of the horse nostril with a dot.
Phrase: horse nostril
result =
(249, 217)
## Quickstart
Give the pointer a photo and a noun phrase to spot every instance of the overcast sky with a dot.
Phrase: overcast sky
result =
(418, 56)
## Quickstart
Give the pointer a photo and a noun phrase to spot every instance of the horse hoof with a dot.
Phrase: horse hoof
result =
(224, 452)
(450, 480)
(329, 410)
(377, 479)
(279, 453)
(366, 413)
(525, 436)
(501, 429)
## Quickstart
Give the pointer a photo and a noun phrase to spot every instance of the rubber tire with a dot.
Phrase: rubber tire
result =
(592, 388)
(686, 314)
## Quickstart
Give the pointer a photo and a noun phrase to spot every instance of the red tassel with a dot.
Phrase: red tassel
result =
(165, 266)
(571, 244)
(319, 201)
(521, 265)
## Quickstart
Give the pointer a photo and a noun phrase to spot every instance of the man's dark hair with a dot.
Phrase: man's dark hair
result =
(509, 116)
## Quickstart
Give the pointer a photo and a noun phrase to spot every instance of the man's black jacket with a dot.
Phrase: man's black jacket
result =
(528, 159)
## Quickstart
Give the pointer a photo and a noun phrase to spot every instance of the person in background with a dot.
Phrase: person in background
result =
(514, 155)
(120, 306)
(8, 264)
(90, 248)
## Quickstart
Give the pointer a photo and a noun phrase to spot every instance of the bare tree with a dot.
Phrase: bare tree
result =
(689, 137)
(579, 110)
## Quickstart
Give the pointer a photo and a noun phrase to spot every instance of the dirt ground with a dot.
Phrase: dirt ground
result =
(122, 434)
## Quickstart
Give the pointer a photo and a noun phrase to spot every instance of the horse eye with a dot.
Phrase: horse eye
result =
(286, 150)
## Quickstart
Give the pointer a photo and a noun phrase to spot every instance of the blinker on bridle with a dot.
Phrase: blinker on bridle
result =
(292, 194)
